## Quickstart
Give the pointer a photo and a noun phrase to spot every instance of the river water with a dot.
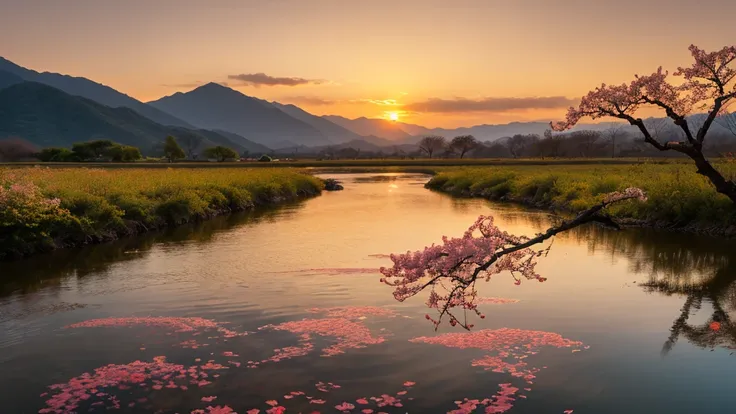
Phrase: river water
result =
(626, 319)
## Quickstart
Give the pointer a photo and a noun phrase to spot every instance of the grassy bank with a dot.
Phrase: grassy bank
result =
(678, 197)
(419, 162)
(43, 209)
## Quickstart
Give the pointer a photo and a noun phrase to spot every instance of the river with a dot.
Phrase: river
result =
(635, 321)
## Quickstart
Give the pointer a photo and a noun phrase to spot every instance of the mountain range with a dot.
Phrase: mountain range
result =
(46, 116)
(91, 90)
(214, 106)
(52, 109)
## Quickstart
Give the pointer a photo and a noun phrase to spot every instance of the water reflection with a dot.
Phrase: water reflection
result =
(47, 271)
(700, 269)
(236, 270)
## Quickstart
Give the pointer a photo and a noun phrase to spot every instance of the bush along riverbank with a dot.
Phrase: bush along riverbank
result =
(42, 209)
(679, 198)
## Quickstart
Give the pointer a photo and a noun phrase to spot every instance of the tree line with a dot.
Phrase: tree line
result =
(16, 149)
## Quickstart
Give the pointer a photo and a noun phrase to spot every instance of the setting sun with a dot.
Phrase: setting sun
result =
(394, 116)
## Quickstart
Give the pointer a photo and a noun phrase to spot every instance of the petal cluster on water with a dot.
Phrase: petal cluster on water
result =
(190, 324)
(349, 335)
(354, 312)
(510, 348)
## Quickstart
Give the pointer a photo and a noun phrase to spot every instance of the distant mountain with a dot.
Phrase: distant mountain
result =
(47, 116)
(383, 132)
(250, 146)
(86, 88)
(366, 126)
(8, 79)
(335, 133)
(214, 106)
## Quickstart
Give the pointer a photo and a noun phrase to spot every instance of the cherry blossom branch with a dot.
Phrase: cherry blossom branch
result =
(461, 262)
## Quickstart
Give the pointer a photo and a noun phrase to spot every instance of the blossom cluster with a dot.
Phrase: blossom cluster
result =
(452, 268)
(708, 79)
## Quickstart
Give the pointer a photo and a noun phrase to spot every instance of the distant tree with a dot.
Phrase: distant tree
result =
(495, 150)
(93, 150)
(349, 153)
(190, 144)
(707, 84)
(57, 155)
(432, 144)
(585, 141)
(728, 121)
(519, 144)
(550, 145)
(16, 149)
(124, 153)
(220, 153)
(172, 150)
(463, 143)
(265, 158)
(612, 134)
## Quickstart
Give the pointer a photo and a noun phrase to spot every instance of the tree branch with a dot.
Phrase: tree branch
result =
(717, 106)
(679, 119)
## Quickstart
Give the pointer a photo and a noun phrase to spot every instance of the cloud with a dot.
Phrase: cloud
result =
(438, 105)
(313, 100)
(308, 100)
(261, 79)
(190, 85)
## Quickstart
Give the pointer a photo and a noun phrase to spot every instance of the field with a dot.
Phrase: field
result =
(678, 197)
(313, 163)
(42, 208)
(46, 208)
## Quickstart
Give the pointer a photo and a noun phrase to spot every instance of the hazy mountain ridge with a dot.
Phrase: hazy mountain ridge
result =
(8, 79)
(253, 124)
(89, 89)
(370, 126)
(335, 133)
(214, 106)
(46, 117)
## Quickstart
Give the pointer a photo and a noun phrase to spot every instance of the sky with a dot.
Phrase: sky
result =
(434, 63)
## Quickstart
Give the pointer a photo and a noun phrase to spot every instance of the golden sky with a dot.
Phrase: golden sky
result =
(436, 63)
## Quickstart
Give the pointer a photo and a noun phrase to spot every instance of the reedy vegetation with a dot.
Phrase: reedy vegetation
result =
(677, 196)
(42, 208)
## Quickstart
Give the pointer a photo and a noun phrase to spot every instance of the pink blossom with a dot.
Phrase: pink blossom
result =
(344, 406)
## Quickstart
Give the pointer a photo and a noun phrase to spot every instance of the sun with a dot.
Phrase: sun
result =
(394, 116)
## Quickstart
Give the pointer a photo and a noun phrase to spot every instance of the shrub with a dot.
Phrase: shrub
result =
(42, 207)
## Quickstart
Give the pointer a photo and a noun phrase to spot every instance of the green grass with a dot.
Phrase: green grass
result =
(677, 195)
(420, 162)
(43, 208)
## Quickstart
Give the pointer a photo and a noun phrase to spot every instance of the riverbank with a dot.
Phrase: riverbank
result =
(679, 199)
(43, 209)
(375, 163)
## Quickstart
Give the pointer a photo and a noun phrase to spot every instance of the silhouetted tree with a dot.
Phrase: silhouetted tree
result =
(124, 153)
(519, 144)
(349, 152)
(431, 144)
(172, 150)
(611, 134)
(463, 143)
(92, 150)
(57, 155)
(190, 144)
(220, 153)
